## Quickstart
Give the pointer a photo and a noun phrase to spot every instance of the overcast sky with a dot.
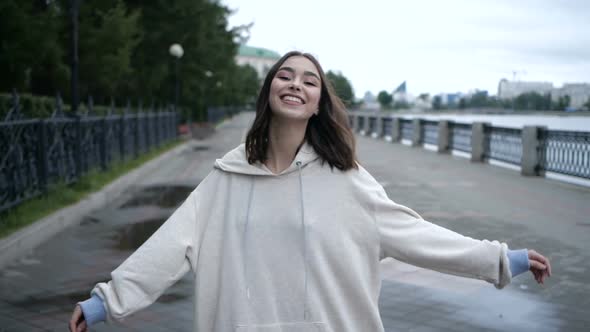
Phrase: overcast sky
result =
(436, 46)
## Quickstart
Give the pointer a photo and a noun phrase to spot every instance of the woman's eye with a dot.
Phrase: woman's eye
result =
(284, 78)
(310, 83)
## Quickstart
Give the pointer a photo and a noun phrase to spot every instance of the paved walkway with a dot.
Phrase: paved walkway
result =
(38, 291)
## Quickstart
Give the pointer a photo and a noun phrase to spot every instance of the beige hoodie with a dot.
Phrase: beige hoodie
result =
(298, 251)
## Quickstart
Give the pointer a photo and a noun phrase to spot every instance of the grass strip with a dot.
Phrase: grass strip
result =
(61, 195)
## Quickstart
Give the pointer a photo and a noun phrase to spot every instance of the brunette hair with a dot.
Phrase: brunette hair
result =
(328, 132)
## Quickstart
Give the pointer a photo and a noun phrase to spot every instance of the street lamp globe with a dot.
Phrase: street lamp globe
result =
(176, 50)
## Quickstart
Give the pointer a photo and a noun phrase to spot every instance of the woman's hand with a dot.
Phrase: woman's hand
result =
(539, 266)
(77, 322)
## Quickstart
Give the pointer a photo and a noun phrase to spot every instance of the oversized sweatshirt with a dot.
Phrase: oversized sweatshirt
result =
(295, 251)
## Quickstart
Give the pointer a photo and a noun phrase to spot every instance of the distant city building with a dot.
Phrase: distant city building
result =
(449, 99)
(261, 59)
(400, 94)
(370, 102)
(579, 93)
(511, 89)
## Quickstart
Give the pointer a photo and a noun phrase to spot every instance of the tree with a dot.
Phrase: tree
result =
(31, 58)
(108, 38)
(562, 103)
(342, 87)
(384, 99)
(424, 97)
(587, 104)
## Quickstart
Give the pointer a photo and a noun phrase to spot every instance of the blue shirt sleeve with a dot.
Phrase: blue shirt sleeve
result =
(93, 309)
(519, 261)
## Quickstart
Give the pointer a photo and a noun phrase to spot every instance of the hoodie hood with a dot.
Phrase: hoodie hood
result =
(236, 161)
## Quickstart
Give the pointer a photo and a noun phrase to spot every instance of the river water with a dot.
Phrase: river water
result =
(553, 122)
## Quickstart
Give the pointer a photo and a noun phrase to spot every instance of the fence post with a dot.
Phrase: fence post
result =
(379, 126)
(478, 141)
(396, 130)
(444, 138)
(417, 132)
(531, 154)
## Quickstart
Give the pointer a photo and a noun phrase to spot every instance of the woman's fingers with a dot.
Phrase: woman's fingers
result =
(82, 327)
(535, 256)
(76, 318)
(539, 265)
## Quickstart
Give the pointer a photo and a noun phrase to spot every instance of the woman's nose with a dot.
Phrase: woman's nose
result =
(295, 85)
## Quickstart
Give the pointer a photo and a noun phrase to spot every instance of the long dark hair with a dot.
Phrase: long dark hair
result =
(328, 132)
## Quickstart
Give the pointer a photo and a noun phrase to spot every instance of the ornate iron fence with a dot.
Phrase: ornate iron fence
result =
(460, 139)
(387, 124)
(35, 153)
(503, 144)
(566, 152)
(430, 132)
(407, 129)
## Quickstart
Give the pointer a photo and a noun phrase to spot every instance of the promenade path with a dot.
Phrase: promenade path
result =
(37, 292)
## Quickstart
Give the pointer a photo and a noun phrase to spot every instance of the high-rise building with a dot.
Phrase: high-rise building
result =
(512, 89)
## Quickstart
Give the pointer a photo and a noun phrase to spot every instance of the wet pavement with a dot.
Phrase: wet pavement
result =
(37, 292)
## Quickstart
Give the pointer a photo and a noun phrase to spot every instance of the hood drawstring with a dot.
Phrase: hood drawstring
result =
(304, 236)
(245, 239)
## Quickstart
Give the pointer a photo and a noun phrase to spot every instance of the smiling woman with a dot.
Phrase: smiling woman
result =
(286, 232)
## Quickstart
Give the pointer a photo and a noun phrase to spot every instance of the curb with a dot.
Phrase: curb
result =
(23, 241)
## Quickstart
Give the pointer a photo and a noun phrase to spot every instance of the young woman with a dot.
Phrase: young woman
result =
(287, 231)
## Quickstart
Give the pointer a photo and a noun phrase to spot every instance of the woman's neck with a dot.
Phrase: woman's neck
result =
(285, 138)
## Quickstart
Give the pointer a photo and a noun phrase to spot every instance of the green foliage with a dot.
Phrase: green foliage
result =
(384, 98)
(562, 103)
(533, 101)
(123, 51)
(587, 104)
(342, 87)
(107, 39)
(31, 57)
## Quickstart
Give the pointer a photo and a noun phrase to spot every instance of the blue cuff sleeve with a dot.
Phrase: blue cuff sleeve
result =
(519, 261)
(93, 310)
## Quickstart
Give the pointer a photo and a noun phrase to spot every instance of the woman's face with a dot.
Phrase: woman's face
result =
(295, 90)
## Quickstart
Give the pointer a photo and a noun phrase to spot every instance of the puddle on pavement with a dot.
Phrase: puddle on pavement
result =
(165, 196)
(132, 236)
(200, 148)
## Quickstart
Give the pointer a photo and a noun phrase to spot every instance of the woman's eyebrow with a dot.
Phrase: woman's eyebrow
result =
(306, 73)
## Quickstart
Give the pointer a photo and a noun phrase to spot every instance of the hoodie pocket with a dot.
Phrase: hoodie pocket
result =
(284, 327)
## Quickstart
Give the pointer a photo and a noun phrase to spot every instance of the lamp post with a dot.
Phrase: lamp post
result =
(74, 5)
(177, 52)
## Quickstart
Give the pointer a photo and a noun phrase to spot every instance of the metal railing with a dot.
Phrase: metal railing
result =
(430, 132)
(503, 144)
(387, 124)
(36, 153)
(565, 152)
(460, 137)
(407, 128)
